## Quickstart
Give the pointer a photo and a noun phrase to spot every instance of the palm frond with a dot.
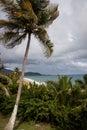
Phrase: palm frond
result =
(11, 39)
(42, 35)
(39, 5)
(25, 5)
(19, 9)
(10, 25)
(8, 6)
(52, 9)
(3, 23)
(43, 17)
(26, 11)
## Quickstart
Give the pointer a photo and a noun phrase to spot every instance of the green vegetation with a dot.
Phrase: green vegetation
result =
(61, 104)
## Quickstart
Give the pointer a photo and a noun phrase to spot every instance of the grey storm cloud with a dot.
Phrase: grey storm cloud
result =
(69, 35)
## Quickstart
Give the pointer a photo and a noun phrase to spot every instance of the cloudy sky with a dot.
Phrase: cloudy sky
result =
(69, 35)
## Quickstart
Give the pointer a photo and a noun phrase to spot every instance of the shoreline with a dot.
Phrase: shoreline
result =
(27, 80)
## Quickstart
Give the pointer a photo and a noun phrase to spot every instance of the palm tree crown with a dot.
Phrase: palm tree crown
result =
(27, 17)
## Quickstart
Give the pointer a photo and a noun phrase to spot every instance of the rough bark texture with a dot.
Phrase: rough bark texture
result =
(12, 119)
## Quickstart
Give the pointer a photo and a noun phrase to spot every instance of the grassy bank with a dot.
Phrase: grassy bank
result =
(25, 125)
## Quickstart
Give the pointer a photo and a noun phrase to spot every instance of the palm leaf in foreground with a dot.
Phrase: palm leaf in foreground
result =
(9, 39)
(42, 35)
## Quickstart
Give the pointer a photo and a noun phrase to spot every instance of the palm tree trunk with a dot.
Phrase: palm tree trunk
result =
(12, 119)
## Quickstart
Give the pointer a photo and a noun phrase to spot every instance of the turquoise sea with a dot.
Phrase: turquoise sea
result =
(43, 78)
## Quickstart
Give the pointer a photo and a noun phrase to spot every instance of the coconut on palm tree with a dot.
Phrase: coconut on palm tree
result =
(26, 17)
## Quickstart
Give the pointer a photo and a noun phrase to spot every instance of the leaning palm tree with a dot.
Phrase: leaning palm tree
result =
(26, 17)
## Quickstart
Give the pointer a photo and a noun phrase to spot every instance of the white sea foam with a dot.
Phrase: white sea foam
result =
(33, 81)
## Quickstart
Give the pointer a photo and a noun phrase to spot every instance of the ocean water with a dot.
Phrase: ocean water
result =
(44, 78)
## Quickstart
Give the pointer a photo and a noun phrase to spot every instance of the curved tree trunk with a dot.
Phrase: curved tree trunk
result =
(5, 90)
(12, 119)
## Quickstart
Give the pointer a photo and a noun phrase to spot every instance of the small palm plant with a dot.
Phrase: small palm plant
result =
(26, 17)
(1, 63)
(15, 74)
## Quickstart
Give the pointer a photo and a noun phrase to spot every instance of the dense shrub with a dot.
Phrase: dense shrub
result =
(6, 106)
(37, 106)
(13, 88)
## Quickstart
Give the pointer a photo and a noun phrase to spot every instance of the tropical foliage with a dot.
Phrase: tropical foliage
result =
(61, 103)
